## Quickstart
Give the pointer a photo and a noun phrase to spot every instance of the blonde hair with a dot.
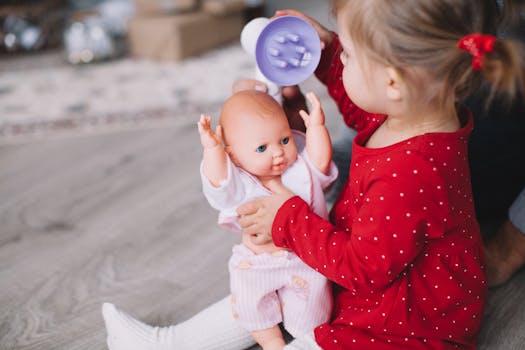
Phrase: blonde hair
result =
(412, 34)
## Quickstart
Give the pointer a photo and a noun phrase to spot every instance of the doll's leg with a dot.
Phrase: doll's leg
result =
(270, 339)
(214, 328)
(307, 299)
(306, 342)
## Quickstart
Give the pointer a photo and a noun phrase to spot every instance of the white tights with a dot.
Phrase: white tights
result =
(214, 328)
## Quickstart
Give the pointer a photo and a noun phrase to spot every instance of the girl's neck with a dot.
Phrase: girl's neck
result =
(397, 128)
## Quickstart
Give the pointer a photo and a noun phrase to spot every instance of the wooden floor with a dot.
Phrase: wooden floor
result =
(118, 217)
(121, 218)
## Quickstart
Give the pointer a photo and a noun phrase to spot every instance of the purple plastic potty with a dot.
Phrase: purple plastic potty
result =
(288, 50)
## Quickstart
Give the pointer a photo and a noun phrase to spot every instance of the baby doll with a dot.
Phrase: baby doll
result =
(252, 150)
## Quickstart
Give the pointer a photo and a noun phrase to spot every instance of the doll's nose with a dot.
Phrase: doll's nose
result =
(278, 152)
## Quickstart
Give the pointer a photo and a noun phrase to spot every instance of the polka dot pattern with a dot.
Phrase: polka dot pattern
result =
(402, 244)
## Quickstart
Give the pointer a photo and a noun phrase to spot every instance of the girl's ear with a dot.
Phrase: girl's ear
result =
(394, 88)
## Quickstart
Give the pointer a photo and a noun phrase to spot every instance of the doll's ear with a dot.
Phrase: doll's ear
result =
(231, 154)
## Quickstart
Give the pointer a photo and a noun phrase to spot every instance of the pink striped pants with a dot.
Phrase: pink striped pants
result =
(271, 288)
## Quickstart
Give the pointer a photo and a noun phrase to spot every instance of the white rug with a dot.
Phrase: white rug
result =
(42, 96)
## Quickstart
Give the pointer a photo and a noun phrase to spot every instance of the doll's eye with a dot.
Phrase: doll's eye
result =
(285, 141)
(261, 149)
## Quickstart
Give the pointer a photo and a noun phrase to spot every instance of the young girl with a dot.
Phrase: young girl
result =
(269, 285)
(402, 244)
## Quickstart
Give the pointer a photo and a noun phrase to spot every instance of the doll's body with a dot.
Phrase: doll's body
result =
(260, 154)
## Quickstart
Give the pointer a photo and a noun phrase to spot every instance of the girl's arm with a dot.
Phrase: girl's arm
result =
(318, 143)
(368, 249)
(329, 72)
(396, 218)
(214, 158)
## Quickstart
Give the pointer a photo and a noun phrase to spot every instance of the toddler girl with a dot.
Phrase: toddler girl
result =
(402, 244)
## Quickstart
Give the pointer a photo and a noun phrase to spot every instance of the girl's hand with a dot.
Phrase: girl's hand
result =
(249, 84)
(209, 139)
(316, 116)
(325, 35)
(256, 217)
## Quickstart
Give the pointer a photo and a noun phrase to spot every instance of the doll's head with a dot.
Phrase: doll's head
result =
(256, 134)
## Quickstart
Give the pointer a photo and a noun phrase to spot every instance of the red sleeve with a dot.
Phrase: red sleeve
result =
(330, 72)
(397, 215)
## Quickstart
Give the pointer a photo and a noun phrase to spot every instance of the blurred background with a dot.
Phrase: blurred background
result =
(100, 197)
(99, 160)
(68, 66)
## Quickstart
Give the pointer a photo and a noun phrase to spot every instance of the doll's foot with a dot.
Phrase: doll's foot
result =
(505, 254)
(127, 333)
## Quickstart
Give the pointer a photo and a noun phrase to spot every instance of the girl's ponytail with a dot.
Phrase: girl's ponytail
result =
(504, 69)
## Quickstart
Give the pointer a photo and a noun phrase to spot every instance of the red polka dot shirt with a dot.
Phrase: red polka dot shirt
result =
(402, 246)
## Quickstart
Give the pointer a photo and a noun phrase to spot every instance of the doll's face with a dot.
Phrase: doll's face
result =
(257, 135)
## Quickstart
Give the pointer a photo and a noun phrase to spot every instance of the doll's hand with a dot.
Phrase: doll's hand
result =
(256, 217)
(209, 139)
(325, 35)
(316, 116)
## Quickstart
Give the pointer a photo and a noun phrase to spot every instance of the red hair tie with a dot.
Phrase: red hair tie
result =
(477, 45)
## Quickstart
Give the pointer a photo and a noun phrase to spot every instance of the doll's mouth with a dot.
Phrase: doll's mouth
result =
(279, 165)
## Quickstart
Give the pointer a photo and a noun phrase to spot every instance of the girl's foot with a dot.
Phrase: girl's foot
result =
(505, 254)
(127, 333)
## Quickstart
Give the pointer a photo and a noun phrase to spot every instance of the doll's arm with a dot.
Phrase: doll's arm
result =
(214, 158)
(318, 143)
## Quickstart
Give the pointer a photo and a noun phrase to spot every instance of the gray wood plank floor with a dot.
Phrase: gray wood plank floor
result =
(121, 218)
(116, 217)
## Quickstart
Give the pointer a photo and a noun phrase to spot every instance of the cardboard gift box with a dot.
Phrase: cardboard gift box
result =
(160, 7)
(179, 36)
